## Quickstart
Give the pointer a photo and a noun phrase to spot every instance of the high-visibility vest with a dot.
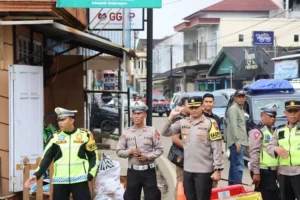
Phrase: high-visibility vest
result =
(265, 159)
(289, 138)
(70, 154)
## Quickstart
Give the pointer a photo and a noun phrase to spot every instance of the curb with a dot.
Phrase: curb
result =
(169, 173)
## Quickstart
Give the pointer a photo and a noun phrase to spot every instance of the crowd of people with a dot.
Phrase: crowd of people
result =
(197, 151)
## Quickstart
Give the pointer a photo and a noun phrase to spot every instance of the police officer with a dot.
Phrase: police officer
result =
(263, 166)
(285, 145)
(141, 145)
(203, 159)
(75, 156)
(176, 115)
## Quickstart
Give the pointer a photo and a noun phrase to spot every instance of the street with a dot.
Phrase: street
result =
(158, 124)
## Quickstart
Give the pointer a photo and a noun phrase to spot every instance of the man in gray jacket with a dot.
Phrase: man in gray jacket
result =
(237, 139)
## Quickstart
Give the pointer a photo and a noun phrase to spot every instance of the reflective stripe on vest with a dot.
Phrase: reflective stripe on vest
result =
(289, 138)
(265, 159)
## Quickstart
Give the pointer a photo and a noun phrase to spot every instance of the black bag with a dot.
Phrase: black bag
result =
(176, 155)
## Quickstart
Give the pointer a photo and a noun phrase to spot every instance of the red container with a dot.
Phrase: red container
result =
(228, 191)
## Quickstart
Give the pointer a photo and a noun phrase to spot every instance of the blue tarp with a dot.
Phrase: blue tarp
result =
(269, 85)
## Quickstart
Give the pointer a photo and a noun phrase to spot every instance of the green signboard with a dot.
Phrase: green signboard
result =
(109, 3)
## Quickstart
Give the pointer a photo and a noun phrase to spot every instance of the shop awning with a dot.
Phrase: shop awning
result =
(81, 39)
(74, 36)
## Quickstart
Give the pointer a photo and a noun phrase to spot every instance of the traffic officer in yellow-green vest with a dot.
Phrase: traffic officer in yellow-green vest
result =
(75, 157)
(285, 145)
(262, 166)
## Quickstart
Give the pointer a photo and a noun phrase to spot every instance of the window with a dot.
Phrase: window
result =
(296, 38)
(37, 47)
(23, 50)
(241, 38)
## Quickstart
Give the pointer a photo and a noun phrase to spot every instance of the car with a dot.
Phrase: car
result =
(226, 92)
(255, 99)
(174, 100)
(104, 118)
(160, 104)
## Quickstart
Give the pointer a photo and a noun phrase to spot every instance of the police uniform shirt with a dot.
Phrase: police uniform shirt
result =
(166, 131)
(255, 147)
(256, 138)
(146, 139)
(202, 142)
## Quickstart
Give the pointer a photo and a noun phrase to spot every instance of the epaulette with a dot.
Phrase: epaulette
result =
(280, 126)
(259, 126)
(57, 131)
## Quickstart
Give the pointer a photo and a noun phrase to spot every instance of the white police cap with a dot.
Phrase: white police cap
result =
(270, 109)
(138, 106)
(63, 113)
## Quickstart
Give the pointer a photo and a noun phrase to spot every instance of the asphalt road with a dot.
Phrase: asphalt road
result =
(158, 124)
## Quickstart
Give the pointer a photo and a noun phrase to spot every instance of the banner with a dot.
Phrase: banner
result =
(109, 3)
(286, 69)
(112, 19)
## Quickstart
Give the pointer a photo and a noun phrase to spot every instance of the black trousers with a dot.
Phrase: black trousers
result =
(197, 186)
(80, 191)
(138, 180)
(289, 187)
(268, 185)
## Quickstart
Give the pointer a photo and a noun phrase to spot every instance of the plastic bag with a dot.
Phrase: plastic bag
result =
(107, 183)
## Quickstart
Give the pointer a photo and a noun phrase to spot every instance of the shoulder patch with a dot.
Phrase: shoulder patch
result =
(157, 134)
(214, 132)
(91, 144)
(256, 134)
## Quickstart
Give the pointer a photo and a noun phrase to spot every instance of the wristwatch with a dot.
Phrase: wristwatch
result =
(219, 169)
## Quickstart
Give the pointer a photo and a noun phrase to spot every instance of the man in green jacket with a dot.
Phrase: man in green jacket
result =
(75, 157)
(237, 138)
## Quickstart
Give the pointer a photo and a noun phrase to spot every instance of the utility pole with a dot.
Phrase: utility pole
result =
(149, 64)
(135, 36)
(171, 63)
(230, 76)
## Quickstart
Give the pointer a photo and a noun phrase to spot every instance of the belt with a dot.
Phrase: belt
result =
(269, 168)
(142, 167)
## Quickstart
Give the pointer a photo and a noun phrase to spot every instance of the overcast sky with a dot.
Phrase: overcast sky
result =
(171, 14)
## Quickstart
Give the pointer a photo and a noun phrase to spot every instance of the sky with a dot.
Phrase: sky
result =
(171, 14)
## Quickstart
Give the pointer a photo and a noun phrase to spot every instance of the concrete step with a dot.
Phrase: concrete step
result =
(103, 146)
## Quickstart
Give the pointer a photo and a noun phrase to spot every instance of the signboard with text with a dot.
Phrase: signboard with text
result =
(250, 60)
(109, 3)
(112, 19)
(263, 38)
(286, 69)
(109, 81)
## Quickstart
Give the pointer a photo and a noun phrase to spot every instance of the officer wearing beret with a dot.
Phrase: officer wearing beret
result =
(75, 157)
(203, 159)
(285, 145)
(141, 145)
(262, 165)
